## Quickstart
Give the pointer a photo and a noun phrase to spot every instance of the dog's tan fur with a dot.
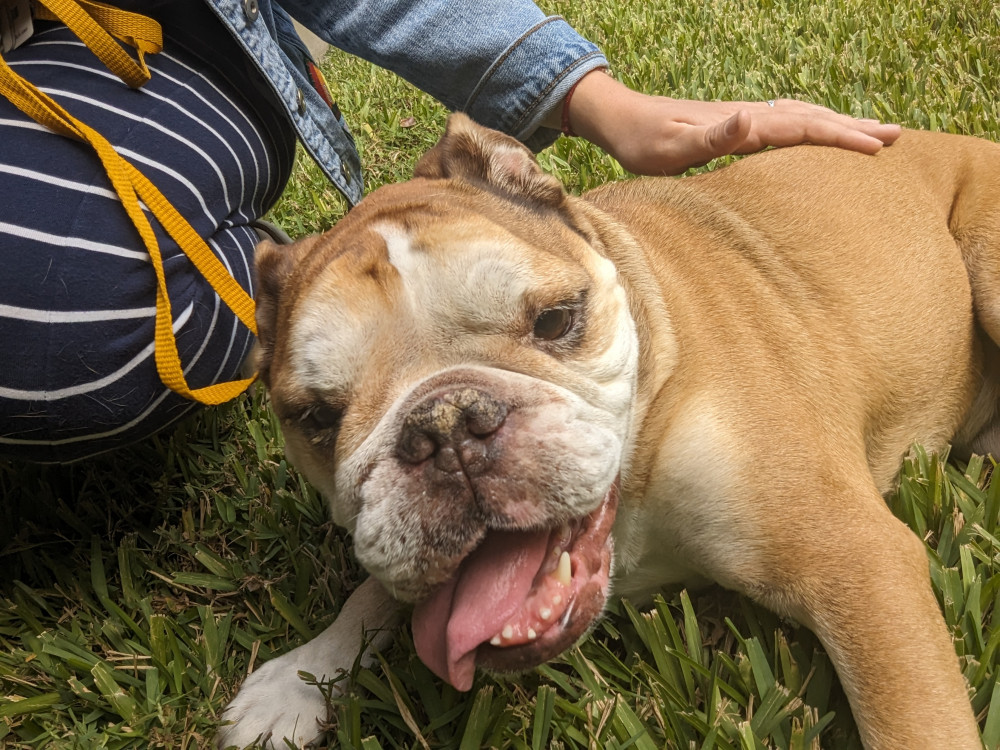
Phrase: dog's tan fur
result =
(802, 318)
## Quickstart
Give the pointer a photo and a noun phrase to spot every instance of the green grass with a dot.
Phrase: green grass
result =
(138, 589)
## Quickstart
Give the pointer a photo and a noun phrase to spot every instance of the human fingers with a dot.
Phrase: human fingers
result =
(785, 122)
(791, 126)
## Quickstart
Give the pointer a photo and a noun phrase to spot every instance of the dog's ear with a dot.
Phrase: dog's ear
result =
(491, 159)
(273, 265)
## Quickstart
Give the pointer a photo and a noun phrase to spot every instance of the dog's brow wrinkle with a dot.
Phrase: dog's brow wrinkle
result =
(397, 243)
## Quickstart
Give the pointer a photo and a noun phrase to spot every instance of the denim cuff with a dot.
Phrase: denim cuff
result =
(531, 78)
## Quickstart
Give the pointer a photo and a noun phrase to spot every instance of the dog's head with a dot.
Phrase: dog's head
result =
(454, 367)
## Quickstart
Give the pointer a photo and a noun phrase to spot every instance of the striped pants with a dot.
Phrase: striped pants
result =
(77, 289)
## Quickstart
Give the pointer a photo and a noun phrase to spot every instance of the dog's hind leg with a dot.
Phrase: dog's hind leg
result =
(975, 224)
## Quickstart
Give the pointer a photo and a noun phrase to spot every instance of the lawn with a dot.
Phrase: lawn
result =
(138, 589)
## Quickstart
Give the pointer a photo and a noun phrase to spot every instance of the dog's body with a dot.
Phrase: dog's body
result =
(485, 377)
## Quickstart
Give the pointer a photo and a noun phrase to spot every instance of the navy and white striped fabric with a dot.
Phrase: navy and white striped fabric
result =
(77, 290)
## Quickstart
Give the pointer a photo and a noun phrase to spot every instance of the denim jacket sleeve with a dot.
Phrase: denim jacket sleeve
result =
(503, 62)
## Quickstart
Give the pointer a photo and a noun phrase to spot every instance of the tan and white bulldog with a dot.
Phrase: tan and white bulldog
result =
(509, 397)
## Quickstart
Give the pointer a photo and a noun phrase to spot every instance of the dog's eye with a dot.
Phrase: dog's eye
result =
(553, 323)
(321, 417)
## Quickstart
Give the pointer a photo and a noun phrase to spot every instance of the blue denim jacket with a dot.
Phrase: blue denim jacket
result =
(503, 62)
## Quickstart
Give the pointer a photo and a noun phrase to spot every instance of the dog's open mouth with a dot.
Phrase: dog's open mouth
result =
(519, 599)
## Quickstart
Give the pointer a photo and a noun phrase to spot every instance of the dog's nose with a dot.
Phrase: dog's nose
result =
(454, 427)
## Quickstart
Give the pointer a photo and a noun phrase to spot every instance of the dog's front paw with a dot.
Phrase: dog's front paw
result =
(275, 706)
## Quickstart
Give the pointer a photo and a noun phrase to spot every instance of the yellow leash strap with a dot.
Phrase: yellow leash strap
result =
(92, 21)
(131, 185)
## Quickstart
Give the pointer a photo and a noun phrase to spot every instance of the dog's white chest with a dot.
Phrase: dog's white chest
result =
(683, 522)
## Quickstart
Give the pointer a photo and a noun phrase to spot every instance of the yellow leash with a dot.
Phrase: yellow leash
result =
(92, 22)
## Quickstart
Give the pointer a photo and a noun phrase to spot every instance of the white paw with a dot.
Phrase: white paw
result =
(273, 708)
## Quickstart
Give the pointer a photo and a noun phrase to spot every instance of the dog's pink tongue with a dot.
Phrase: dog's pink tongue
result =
(473, 606)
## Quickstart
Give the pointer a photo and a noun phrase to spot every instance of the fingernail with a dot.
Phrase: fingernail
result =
(732, 125)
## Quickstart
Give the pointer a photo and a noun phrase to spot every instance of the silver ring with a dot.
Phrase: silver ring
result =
(770, 102)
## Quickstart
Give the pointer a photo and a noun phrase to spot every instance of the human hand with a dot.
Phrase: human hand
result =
(655, 135)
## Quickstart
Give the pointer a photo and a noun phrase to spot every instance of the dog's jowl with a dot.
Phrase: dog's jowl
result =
(508, 395)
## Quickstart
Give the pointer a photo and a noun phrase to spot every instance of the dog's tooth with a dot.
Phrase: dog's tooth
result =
(564, 573)
(557, 599)
(532, 635)
(545, 613)
(507, 633)
(495, 640)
